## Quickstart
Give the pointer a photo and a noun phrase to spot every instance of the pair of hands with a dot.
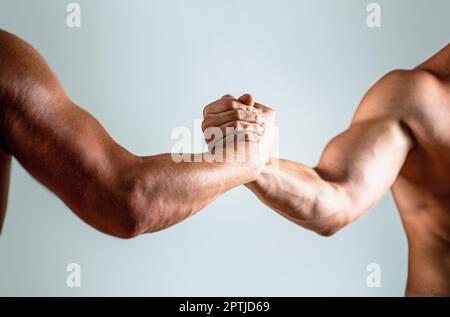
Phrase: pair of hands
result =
(239, 130)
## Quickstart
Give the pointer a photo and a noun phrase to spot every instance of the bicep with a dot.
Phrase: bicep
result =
(66, 149)
(63, 146)
(364, 161)
(59, 143)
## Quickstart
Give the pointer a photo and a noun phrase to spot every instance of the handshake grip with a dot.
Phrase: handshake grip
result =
(239, 130)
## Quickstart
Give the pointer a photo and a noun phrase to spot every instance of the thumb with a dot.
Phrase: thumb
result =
(247, 99)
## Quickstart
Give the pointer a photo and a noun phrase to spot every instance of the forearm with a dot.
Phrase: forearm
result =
(111, 189)
(355, 170)
(302, 195)
(168, 192)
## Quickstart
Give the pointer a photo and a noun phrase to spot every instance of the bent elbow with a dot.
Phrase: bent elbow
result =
(334, 211)
(328, 231)
(331, 225)
(129, 226)
(137, 217)
(135, 207)
(128, 231)
(131, 217)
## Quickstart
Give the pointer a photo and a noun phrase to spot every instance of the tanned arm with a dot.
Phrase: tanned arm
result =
(356, 168)
(360, 165)
(68, 151)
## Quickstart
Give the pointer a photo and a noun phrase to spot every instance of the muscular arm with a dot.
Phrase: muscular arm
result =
(68, 151)
(356, 168)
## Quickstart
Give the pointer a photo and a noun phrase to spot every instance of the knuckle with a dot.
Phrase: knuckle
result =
(205, 124)
(234, 104)
(239, 114)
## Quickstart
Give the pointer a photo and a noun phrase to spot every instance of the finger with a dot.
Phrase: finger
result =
(260, 107)
(268, 112)
(217, 119)
(228, 96)
(225, 104)
(230, 135)
(232, 139)
(234, 128)
(247, 99)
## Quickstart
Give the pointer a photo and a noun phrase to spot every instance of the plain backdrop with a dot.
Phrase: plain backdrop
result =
(143, 68)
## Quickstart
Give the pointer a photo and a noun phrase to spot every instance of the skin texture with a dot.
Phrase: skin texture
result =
(399, 139)
(69, 152)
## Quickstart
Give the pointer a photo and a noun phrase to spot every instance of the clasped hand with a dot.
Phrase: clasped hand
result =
(239, 130)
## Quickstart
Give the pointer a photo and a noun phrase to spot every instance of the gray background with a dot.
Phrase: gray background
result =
(145, 67)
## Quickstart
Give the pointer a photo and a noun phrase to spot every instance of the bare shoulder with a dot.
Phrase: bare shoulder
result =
(12, 48)
(416, 99)
(27, 84)
(12, 51)
(401, 95)
(22, 67)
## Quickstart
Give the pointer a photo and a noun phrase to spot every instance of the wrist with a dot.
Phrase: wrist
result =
(260, 170)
